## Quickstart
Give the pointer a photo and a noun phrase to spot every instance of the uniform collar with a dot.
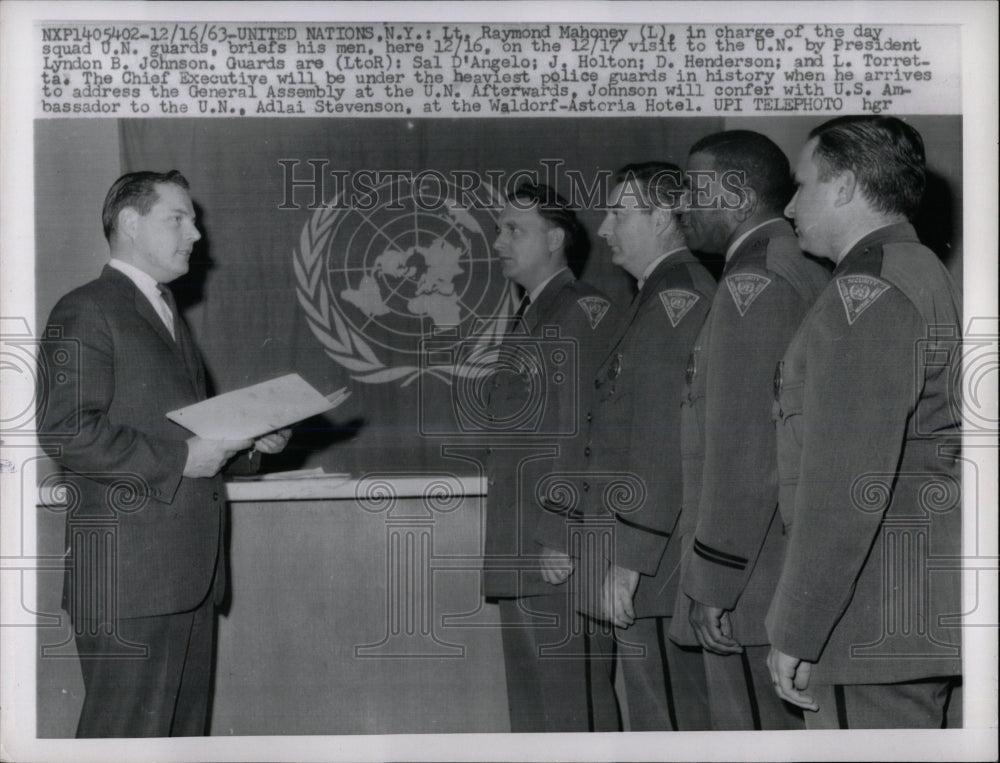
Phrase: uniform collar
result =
(745, 236)
(893, 232)
(559, 277)
(655, 264)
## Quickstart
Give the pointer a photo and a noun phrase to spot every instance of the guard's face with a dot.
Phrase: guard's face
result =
(525, 244)
(814, 205)
(706, 225)
(163, 238)
(629, 227)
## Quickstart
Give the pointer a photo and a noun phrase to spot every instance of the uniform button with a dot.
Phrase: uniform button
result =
(215, 495)
(597, 383)
(586, 486)
(590, 416)
(489, 451)
(586, 451)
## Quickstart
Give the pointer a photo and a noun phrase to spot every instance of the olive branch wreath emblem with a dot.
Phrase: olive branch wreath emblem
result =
(347, 346)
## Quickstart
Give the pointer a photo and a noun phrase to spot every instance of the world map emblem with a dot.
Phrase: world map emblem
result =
(375, 282)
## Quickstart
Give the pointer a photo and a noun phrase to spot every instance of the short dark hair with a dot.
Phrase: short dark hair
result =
(138, 191)
(763, 165)
(554, 209)
(660, 184)
(885, 154)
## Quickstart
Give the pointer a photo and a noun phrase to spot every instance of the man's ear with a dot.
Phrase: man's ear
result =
(846, 187)
(750, 201)
(556, 237)
(662, 218)
(128, 219)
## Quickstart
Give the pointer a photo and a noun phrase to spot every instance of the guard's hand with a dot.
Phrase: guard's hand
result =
(713, 628)
(790, 678)
(616, 598)
(206, 457)
(556, 566)
(272, 443)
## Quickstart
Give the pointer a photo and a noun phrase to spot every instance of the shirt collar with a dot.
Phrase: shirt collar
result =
(738, 242)
(654, 265)
(143, 280)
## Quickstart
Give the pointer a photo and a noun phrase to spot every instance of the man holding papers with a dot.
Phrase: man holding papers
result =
(143, 598)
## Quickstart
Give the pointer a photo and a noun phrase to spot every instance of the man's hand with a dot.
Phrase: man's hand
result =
(272, 443)
(556, 566)
(790, 677)
(616, 598)
(713, 628)
(206, 457)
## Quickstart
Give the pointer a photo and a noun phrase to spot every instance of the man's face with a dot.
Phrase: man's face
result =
(706, 226)
(526, 245)
(814, 206)
(163, 238)
(629, 227)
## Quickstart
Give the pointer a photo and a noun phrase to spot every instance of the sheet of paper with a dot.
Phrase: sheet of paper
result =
(255, 410)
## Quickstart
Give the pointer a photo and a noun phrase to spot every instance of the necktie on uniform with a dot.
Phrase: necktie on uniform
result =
(518, 315)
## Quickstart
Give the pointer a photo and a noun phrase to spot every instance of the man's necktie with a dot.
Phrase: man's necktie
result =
(169, 315)
(515, 320)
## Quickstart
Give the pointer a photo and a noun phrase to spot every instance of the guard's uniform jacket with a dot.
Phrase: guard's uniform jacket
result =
(730, 470)
(632, 467)
(534, 398)
(868, 437)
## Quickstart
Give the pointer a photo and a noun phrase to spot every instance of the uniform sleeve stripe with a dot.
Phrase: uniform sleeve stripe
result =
(719, 557)
(644, 528)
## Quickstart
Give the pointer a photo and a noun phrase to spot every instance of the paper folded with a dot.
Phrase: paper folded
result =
(256, 410)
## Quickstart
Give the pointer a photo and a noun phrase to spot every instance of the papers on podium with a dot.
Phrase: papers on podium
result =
(256, 410)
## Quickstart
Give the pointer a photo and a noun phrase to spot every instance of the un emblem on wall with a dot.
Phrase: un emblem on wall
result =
(376, 279)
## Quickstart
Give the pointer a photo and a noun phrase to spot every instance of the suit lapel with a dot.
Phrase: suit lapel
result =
(189, 358)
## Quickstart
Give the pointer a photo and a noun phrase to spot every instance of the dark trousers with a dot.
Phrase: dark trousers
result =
(908, 705)
(164, 693)
(740, 695)
(664, 683)
(558, 678)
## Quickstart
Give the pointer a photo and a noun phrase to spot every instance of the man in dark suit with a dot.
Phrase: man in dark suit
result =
(533, 400)
(142, 587)
(632, 457)
(863, 623)
(740, 183)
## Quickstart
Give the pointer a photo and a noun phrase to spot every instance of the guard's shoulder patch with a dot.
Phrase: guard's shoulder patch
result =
(677, 303)
(595, 309)
(858, 293)
(745, 288)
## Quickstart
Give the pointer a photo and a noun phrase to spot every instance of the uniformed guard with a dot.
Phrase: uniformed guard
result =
(631, 463)
(863, 621)
(533, 397)
(740, 182)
